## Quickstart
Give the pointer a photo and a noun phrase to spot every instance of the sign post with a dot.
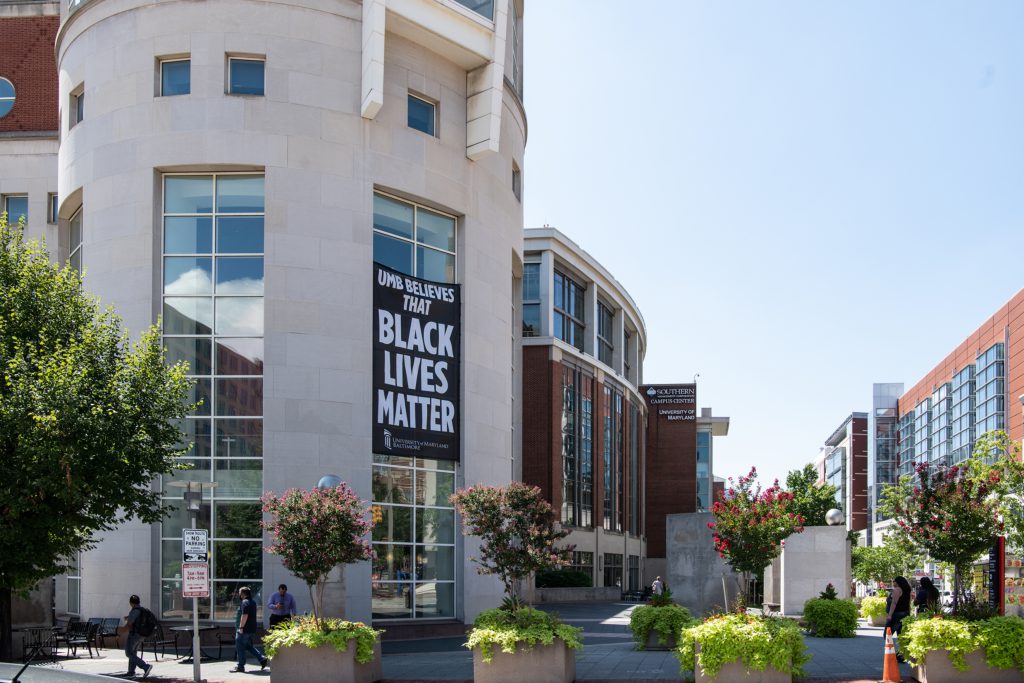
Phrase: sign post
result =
(195, 582)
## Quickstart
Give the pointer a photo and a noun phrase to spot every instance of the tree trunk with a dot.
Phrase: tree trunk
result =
(6, 647)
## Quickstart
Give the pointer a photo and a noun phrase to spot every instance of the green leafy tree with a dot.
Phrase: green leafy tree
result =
(751, 525)
(952, 514)
(810, 501)
(996, 450)
(882, 563)
(517, 532)
(314, 532)
(87, 419)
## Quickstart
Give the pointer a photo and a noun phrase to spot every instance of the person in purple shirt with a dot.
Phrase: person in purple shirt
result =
(281, 605)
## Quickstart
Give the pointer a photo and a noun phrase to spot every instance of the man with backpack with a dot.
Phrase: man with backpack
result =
(140, 623)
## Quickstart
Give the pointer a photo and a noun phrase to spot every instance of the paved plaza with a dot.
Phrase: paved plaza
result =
(608, 655)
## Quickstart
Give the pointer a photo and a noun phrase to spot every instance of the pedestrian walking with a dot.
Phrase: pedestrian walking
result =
(927, 598)
(281, 605)
(657, 588)
(138, 623)
(245, 629)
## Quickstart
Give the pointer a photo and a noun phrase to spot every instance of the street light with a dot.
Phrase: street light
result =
(329, 481)
(193, 496)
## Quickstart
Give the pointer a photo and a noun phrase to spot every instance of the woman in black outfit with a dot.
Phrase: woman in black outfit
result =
(899, 604)
(927, 598)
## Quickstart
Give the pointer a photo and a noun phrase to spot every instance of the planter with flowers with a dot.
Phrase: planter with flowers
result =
(950, 649)
(517, 537)
(314, 532)
(872, 608)
(656, 625)
(743, 648)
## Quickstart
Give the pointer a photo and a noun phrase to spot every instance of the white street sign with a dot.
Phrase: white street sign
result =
(195, 580)
(194, 545)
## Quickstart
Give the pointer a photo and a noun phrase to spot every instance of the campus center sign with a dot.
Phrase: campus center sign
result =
(416, 366)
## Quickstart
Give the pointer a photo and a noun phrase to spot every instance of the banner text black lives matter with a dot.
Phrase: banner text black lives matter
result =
(416, 349)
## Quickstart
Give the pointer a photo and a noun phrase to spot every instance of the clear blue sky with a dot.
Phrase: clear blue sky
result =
(803, 198)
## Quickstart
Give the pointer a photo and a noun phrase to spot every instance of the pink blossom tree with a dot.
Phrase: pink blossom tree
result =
(315, 531)
(750, 525)
(517, 532)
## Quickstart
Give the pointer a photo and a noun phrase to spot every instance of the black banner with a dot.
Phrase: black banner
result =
(416, 366)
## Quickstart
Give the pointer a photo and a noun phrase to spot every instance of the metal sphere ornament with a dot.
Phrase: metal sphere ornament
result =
(329, 481)
(834, 517)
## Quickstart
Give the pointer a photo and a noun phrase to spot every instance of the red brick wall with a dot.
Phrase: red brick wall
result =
(27, 60)
(671, 472)
(541, 440)
(1008, 318)
(859, 466)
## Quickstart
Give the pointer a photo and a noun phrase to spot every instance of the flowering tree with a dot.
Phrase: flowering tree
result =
(517, 532)
(750, 524)
(953, 513)
(315, 531)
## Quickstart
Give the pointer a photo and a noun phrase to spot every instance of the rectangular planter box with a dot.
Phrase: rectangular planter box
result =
(938, 669)
(654, 644)
(553, 663)
(737, 672)
(301, 664)
(878, 621)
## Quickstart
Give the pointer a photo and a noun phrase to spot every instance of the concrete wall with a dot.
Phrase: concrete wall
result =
(699, 579)
(322, 162)
(599, 594)
(812, 560)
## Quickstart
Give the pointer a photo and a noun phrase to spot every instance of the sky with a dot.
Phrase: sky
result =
(803, 198)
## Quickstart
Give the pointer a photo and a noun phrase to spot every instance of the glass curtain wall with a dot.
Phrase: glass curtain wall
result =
(635, 449)
(962, 441)
(569, 319)
(906, 443)
(991, 396)
(213, 236)
(940, 427)
(531, 299)
(703, 471)
(414, 575)
(612, 459)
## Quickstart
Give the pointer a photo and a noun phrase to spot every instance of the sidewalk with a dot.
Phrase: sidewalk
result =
(607, 656)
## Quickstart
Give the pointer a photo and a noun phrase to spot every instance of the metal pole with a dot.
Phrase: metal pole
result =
(196, 650)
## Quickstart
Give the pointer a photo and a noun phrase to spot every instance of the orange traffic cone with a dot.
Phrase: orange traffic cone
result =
(890, 667)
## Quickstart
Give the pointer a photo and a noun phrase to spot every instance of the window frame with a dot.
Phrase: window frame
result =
(76, 109)
(568, 284)
(12, 98)
(517, 182)
(434, 109)
(7, 206)
(163, 61)
(605, 341)
(75, 248)
(52, 208)
(531, 301)
(228, 86)
(415, 241)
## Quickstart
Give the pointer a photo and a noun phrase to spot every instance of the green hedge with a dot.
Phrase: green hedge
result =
(831, 618)
(563, 579)
(872, 606)
(666, 621)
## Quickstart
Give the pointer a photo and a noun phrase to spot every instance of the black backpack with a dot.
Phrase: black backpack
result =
(147, 623)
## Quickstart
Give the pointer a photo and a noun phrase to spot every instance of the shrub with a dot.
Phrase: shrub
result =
(563, 579)
(525, 625)
(758, 642)
(663, 600)
(666, 621)
(828, 618)
(335, 632)
(872, 607)
(1002, 638)
(829, 593)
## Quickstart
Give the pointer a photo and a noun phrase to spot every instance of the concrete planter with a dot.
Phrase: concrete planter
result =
(878, 621)
(938, 669)
(737, 672)
(553, 663)
(654, 644)
(300, 664)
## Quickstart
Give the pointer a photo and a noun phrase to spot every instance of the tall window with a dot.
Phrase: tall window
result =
(962, 415)
(577, 448)
(582, 561)
(74, 605)
(531, 299)
(612, 459)
(75, 241)
(605, 335)
(940, 427)
(703, 471)
(990, 390)
(413, 239)
(414, 575)
(213, 236)
(627, 358)
(613, 569)
(635, 449)
(634, 573)
(414, 538)
(422, 115)
(569, 318)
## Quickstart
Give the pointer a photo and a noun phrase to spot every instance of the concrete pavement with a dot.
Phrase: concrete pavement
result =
(607, 656)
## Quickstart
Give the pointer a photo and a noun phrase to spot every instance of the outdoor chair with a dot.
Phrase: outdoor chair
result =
(108, 629)
(159, 640)
(82, 634)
